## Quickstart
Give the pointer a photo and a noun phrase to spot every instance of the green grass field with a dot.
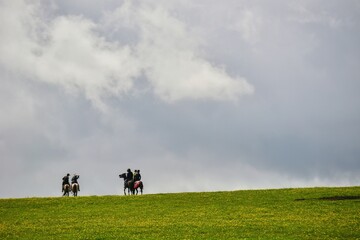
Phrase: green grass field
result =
(309, 213)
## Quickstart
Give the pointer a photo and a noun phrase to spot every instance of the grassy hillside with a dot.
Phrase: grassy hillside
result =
(314, 213)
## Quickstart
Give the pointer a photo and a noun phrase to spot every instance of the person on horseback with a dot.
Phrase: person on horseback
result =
(65, 181)
(74, 180)
(137, 180)
(129, 175)
(137, 176)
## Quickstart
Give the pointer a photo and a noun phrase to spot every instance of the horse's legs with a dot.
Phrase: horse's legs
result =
(66, 190)
(141, 186)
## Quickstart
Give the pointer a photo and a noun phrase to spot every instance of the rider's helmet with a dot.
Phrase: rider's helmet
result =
(129, 170)
(68, 174)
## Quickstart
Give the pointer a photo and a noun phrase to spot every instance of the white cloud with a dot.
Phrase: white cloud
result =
(171, 59)
(69, 51)
(77, 57)
(66, 51)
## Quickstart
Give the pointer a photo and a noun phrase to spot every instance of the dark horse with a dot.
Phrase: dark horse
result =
(131, 186)
(66, 189)
(75, 189)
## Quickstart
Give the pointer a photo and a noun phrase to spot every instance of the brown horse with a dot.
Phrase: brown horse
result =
(75, 189)
(66, 189)
(138, 184)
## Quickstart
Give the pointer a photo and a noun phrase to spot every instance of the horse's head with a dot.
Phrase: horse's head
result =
(123, 175)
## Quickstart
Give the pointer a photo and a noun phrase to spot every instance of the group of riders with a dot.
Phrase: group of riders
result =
(132, 181)
(130, 176)
(136, 176)
(74, 180)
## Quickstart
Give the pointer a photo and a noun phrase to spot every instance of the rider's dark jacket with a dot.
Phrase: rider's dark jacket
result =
(65, 180)
(129, 176)
(74, 179)
(137, 177)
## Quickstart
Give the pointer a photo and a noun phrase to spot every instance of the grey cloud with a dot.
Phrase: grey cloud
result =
(300, 127)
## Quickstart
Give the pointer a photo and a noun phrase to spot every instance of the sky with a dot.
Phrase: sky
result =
(199, 95)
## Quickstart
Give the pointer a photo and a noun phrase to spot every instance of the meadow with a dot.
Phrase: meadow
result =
(301, 213)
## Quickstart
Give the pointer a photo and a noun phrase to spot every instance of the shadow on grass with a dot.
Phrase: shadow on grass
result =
(333, 198)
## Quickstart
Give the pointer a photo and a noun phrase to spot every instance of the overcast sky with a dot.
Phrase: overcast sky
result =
(199, 95)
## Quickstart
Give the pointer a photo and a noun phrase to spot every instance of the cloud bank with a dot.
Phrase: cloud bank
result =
(71, 51)
(168, 87)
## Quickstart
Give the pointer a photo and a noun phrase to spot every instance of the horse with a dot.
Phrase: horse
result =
(138, 184)
(66, 189)
(127, 185)
(75, 189)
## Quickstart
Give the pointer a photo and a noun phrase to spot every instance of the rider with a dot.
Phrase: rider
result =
(65, 181)
(129, 175)
(137, 176)
(74, 180)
